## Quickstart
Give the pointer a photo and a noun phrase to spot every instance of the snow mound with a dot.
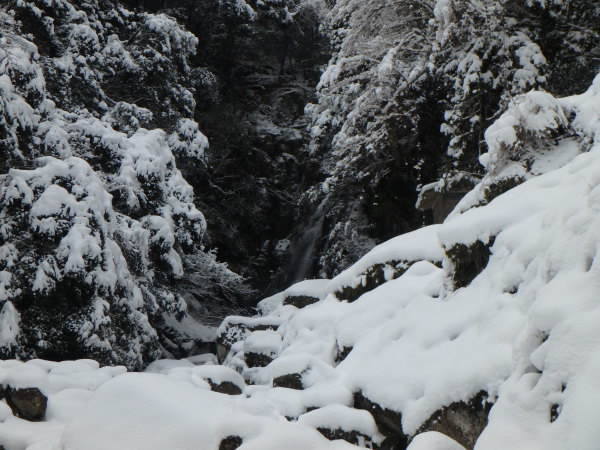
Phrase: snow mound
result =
(433, 440)
(167, 414)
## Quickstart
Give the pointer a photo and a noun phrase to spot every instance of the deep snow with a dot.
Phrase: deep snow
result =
(525, 331)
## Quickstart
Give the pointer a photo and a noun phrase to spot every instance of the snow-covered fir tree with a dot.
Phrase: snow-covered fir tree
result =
(99, 227)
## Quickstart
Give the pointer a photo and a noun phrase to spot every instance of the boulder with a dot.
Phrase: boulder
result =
(235, 329)
(257, 359)
(463, 422)
(300, 301)
(27, 403)
(468, 261)
(290, 381)
(226, 387)
(388, 422)
(373, 277)
(230, 443)
(336, 421)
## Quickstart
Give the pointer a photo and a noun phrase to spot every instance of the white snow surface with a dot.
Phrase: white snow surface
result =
(432, 440)
(418, 245)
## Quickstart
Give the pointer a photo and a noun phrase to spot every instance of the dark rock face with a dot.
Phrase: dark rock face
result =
(230, 443)
(29, 403)
(461, 421)
(257, 359)
(226, 387)
(300, 301)
(469, 261)
(388, 422)
(290, 381)
(374, 276)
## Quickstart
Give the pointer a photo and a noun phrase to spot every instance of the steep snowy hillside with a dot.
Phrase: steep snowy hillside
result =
(410, 90)
(477, 333)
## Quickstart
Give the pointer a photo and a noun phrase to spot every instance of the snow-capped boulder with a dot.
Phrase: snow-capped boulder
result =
(461, 421)
(261, 347)
(386, 262)
(237, 328)
(26, 403)
(342, 422)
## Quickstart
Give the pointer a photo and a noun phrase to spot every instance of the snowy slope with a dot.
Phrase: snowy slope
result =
(522, 331)
(512, 351)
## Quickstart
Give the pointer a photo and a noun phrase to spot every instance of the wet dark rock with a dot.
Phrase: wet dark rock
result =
(300, 301)
(226, 387)
(468, 260)
(388, 422)
(290, 381)
(461, 421)
(230, 443)
(373, 277)
(28, 403)
(257, 359)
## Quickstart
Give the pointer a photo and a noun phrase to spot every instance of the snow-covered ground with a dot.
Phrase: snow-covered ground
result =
(522, 336)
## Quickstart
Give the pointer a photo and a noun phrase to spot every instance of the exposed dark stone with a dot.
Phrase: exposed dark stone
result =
(469, 261)
(300, 301)
(290, 381)
(257, 359)
(499, 187)
(230, 443)
(354, 437)
(554, 412)
(388, 422)
(441, 203)
(461, 421)
(29, 403)
(374, 276)
(235, 332)
(342, 354)
(226, 387)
